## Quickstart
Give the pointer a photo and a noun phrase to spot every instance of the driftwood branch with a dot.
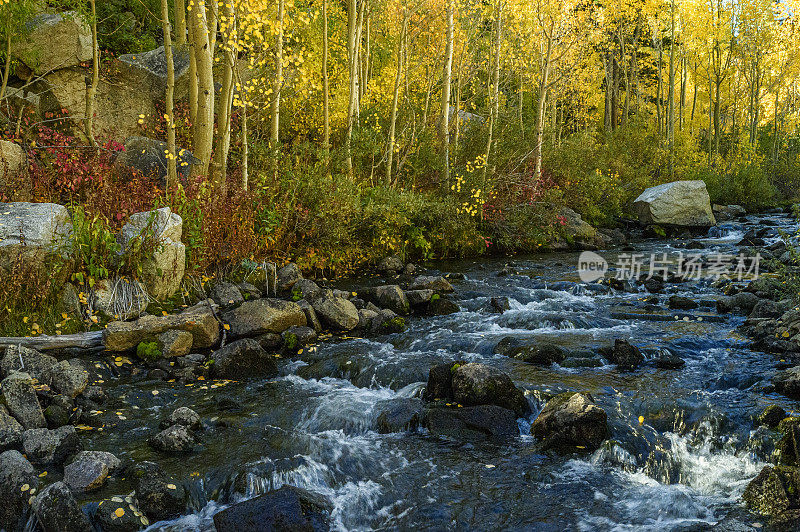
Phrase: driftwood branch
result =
(87, 340)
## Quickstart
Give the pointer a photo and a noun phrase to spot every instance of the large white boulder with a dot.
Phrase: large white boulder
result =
(30, 232)
(118, 106)
(158, 232)
(680, 203)
(54, 41)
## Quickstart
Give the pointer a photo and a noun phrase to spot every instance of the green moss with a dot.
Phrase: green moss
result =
(291, 342)
(434, 297)
(394, 325)
(148, 351)
(455, 367)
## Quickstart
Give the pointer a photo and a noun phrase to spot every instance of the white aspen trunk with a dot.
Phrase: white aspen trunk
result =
(395, 102)
(444, 122)
(172, 169)
(203, 127)
(276, 91)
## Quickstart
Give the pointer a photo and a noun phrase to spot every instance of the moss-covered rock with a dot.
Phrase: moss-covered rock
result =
(775, 492)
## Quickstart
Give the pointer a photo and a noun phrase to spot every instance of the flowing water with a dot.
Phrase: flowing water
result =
(683, 468)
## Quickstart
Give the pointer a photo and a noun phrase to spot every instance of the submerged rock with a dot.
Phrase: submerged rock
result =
(398, 415)
(472, 423)
(174, 439)
(286, 509)
(571, 422)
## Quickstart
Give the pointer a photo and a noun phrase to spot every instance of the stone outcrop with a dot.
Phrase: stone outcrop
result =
(680, 203)
(159, 234)
(118, 107)
(54, 41)
(32, 232)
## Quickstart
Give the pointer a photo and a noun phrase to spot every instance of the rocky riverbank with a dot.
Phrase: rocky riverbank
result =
(182, 388)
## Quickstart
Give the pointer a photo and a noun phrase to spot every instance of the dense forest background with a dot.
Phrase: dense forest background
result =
(335, 133)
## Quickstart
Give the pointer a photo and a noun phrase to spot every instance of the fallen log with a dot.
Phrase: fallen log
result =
(87, 340)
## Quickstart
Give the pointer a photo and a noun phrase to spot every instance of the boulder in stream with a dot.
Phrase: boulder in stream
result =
(624, 355)
(336, 312)
(159, 495)
(120, 514)
(174, 439)
(390, 296)
(571, 422)
(477, 384)
(680, 203)
(286, 509)
(243, 359)
(787, 382)
(50, 447)
(198, 320)
(775, 492)
(10, 430)
(20, 398)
